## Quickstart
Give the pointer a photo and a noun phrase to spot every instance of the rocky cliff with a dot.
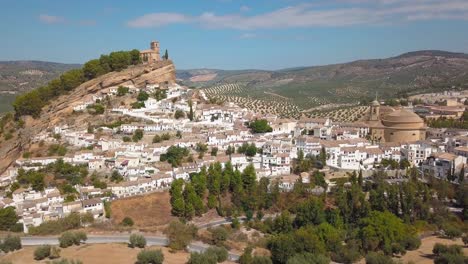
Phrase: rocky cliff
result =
(60, 110)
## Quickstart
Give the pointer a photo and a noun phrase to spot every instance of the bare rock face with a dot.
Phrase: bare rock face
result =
(59, 109)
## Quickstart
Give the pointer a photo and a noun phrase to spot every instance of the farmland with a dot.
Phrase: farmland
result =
(270, 102)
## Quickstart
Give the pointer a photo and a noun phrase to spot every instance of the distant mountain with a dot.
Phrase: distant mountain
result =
(409, 73)
(20, 76)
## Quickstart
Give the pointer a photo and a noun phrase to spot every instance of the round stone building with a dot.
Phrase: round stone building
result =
(400, 125)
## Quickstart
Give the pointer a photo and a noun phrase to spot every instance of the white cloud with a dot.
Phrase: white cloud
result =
(48, 19)
(355, 12)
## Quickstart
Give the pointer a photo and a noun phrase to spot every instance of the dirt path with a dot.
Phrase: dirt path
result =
(277, 95)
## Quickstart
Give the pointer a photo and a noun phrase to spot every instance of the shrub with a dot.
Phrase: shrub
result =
(42, 252)
(219, 235)
(378, 258)
(150, 257)
(137, 240)
(179, 114)
(54, 253)
(440, 249)
(202, 258)
(220, 253)
(235, 223)
(69, 238)
(451, 231)
(72, 221)
(10, 243)
(127, 221)
(180, 235)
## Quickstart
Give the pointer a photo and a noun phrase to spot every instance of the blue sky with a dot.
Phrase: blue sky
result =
(232, 34)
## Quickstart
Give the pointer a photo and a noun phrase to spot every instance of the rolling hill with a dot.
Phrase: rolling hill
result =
(21, 76)
(309, 87)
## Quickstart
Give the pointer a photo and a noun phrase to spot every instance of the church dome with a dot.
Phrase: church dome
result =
(375, 103)
(404, 119)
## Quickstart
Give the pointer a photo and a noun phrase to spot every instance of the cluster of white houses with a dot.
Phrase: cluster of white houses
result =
(347, 146)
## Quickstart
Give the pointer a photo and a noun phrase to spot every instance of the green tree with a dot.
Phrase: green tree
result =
(42, 252)
(137, 240)
(246, 257)
(378, 258)
(174, 155)
(127, 221)
(72, 79)
(116, 176)
(135, 57)
(220, 253)
(282, 223)
(260, 126)
(190, 115)
(70, 238)
(310, 212)
(384, 231)
(142, 96)
(180, 235)
(29, 103)
(166, 55)
(219, 235)
(119, 60)
(308, 258)
(179, 114)
(177, 198)
(122, 90)
(10, 243)
(137, 135)
(150, 256)
(93, 69)
(214, 151)
(8, 218)
(202, 258)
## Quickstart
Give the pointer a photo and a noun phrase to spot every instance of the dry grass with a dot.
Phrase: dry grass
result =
(149, 212)
(423, 254)
(97, 254)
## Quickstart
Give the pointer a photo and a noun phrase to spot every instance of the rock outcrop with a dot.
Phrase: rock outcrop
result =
(59, 110)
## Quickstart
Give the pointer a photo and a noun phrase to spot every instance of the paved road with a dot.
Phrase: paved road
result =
(97, 239)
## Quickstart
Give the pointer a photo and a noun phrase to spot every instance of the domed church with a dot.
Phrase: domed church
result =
(399, 125)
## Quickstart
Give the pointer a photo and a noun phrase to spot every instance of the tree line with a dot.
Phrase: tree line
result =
(31, 103)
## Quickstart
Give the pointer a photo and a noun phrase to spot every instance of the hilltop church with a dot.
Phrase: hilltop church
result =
(151, 55)
(399, 125)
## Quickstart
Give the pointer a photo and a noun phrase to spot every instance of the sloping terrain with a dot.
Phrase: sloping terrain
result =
(60, 110)
(308, 87)
(21, 76)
